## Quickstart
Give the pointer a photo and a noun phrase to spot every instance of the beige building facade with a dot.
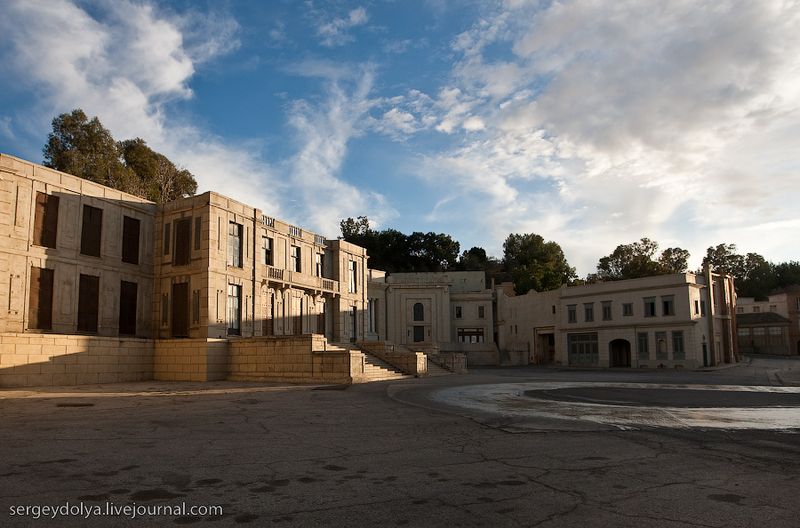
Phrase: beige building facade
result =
(683, 321)
(99, 285)
(770, 326)
(442, 312)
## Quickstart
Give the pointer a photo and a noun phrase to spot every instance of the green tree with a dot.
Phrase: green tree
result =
(674, 260)
(158, 179)
(432, 251)
(473, 259)
(630, 261)
(85, 148)
(535, 264)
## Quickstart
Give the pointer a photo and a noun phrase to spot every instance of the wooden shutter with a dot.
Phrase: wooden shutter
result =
(88, 292)
(91, 231)
(127, 307)
(130, 240)
(40, 306)
(45, 223)
(183, 242)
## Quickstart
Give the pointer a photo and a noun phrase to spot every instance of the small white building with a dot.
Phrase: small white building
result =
(682, 320)
(444, 312)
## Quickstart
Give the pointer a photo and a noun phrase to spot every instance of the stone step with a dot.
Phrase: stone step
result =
(436, 370)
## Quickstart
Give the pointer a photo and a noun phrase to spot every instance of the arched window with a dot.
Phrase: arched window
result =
(419, 312)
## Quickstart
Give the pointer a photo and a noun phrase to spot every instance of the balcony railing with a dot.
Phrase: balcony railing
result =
(302, 279)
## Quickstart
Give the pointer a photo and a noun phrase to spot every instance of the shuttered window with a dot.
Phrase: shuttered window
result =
(130, 240)
(235, 245)
(40, 306)
(166, 238)
(45, 223)
(91, 231)
(88, 296)
(198, 229)
(183, 242)
(127, 307)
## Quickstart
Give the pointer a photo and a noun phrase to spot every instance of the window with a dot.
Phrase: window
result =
(481, 312)
(696, 307)
(739, 309)
(45, 223)
(266, 248)
(234, 244)
(759, 331)
(40, 305)
(641, 346)
(627, 309)
(743, 331)
(607, 311)
(588, 312)
(351, 282)
(702, 308)
(554, 309)
(319, 263)
(88, 296)
(296, 263)
(775, 331)
(458, 312)
(668, 305)
(773, 308)
(166, 238)
(649, 306)
(418, 312)
(572, 315)
(372, 309)
(470, 335)
(756, 309)
(198, 231)
(661, 345)
(678, 351)
(127, 307)
(130, 240)
(583, 349)
(234, 309)
(183, 242)
(91, 231)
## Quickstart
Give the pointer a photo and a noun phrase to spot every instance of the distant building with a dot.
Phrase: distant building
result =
(682, 320)
(771, 326)
(435, 312)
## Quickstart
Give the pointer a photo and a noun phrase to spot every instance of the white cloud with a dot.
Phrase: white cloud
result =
(335, 32)
(602, 123)
(323, 132)
(5, 127)
(124, 66)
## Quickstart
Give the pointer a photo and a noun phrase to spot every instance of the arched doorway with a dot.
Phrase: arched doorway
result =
(619, 351)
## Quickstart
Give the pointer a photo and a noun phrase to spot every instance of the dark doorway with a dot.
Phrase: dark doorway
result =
(355, 324)
(546, 353)
(419, 334)
(180, 309)
(620, 353)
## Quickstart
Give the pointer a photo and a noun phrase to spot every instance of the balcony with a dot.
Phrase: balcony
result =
(302, 280)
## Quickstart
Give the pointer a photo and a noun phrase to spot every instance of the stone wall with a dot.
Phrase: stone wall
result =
(296, 359)
(52, 359)
(190, 359)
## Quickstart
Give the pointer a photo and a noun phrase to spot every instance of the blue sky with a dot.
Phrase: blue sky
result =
(591, 123)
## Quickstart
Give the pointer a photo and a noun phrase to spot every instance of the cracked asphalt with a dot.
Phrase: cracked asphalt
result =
(386, 454)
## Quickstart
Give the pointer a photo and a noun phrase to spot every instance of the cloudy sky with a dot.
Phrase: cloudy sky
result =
(591, 123)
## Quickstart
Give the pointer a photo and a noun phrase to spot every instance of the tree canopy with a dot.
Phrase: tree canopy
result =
(535, 264)
(85, 148)
(753, 276)
(635, 260)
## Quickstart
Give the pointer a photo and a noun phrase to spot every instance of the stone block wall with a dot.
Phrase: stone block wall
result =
(298, 359)
(30, 359)
(190, 360)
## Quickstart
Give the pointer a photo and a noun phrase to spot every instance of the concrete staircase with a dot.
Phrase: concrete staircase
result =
(377, 370)
(436, 370)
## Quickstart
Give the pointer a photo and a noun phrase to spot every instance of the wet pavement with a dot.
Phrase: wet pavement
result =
(391, 454)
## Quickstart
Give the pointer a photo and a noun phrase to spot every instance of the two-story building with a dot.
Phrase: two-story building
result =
(682, 320)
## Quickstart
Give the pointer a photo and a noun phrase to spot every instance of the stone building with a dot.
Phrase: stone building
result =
(99, 286)
(771, 326)
(437, 312)
(682, 320)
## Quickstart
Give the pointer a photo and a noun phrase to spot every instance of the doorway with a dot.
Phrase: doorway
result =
(620, 353)
(180, 309)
